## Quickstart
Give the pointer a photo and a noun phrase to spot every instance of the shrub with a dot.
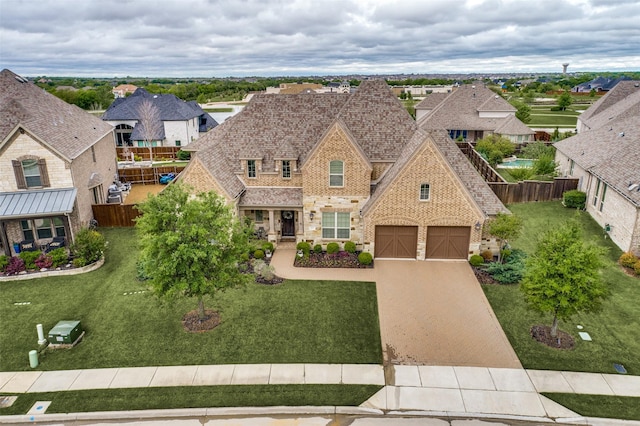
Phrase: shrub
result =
(304, 246)
(317, 248)
(15, 265)
(244, 257)
(487, 255)
(511, 271)
(476, 260)
(267, 273)
(505, 253)
(574, 199)
(267, 245)
(636, 267)
(29, 258)
(58, 257)
(4, 261)
(258, 254)
(333, 248)
(522, 173)
(136, 157)
(365, 258)
(258, 266)
(545, 165)
(44, 261)
(141, 275)
(628, 259)
(350, 247)
(89, 245)
(79, 262)
(536, 150)
(183, 155)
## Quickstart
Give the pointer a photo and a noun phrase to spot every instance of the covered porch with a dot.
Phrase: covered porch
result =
(277, 213)
(35, 220)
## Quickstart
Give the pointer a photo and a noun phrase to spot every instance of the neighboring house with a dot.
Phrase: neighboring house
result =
(182, 122)
(616, 103)
(599, 84)
(345, 167)
(56, 160)
(122, 90)
(605, 157)
(472, 112)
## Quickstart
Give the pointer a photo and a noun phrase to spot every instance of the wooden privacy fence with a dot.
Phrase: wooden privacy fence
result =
(115, 215)
(146, 175)
(532, 190)
(160, 153)
(482, 166)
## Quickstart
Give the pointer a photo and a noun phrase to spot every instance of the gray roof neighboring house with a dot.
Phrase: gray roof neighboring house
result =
(44, 202)
(170, 108)
(65, 128)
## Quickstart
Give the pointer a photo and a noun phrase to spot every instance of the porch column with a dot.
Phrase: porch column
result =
(271, 232)
(300, 222)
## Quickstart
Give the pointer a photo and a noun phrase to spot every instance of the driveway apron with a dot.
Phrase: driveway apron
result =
(435, 313)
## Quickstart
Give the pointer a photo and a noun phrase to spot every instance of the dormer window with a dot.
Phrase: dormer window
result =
(251, 168)
(336, 173)
(286, 169)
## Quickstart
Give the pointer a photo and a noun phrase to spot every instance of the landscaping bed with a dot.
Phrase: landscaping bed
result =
(341, 259)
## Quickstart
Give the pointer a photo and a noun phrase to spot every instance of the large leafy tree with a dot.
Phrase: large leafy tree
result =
(563, 276)
(190, 244)
(495, 147)
(565, 100)
(505, 227)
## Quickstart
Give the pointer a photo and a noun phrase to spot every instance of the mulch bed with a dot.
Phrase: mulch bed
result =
(483, 276)
(192, 323)
(341, 259)
(542, 334)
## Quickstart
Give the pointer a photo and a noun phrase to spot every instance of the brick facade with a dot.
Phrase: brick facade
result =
(448, 204)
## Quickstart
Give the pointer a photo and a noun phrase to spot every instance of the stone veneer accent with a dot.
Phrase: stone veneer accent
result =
(449, 204)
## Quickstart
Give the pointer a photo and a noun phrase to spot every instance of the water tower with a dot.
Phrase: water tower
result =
(564, 68)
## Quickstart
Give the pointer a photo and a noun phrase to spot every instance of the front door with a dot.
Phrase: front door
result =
(288, 224)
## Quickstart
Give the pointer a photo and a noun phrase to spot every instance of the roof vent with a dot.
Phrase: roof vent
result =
(621, 134)
(633, 186)
(21, 79)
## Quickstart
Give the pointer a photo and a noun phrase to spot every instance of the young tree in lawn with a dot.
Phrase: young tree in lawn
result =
(190, 245)
(152, 126)
(523, 112)
(564, 101)
(563, 275)
(505, 227)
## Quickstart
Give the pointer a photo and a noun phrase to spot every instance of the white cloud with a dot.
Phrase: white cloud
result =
(293, 37)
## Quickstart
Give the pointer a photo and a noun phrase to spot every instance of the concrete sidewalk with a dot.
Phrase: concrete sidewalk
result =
(431, 390)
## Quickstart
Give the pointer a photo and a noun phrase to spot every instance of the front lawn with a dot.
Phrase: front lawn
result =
(614, 330)
(294, 322)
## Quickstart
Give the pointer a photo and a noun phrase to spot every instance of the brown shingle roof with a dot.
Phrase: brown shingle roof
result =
(432, 100)
(512, 126)
(620, 91)
(611, 152)
(66, 128)
(461, 110)
(280, 197)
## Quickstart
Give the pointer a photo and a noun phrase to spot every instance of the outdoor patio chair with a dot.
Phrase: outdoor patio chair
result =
(28, 245)
(56, 243)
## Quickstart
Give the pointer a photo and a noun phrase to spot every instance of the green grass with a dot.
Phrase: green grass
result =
(542, 116)
(170, 163)
(195, 397)
(229, 109)
(294, 322)
(614, 407)
(614, 330)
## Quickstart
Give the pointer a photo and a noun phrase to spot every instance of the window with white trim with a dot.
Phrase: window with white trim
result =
(336, 173)
(425, 192)
(336, 225)
(251, 168)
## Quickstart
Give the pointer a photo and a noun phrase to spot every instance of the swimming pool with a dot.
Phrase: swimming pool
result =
(518, 163)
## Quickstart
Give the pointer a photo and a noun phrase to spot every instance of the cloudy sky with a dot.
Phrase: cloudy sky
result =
(218, 38)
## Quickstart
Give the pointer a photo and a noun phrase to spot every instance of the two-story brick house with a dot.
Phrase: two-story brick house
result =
(56, 160)
(345, 167)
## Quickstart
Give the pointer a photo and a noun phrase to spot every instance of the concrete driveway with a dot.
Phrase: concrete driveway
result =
(435, 313)
(431, 312)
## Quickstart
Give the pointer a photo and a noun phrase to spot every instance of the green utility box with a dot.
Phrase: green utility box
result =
(65, 332)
